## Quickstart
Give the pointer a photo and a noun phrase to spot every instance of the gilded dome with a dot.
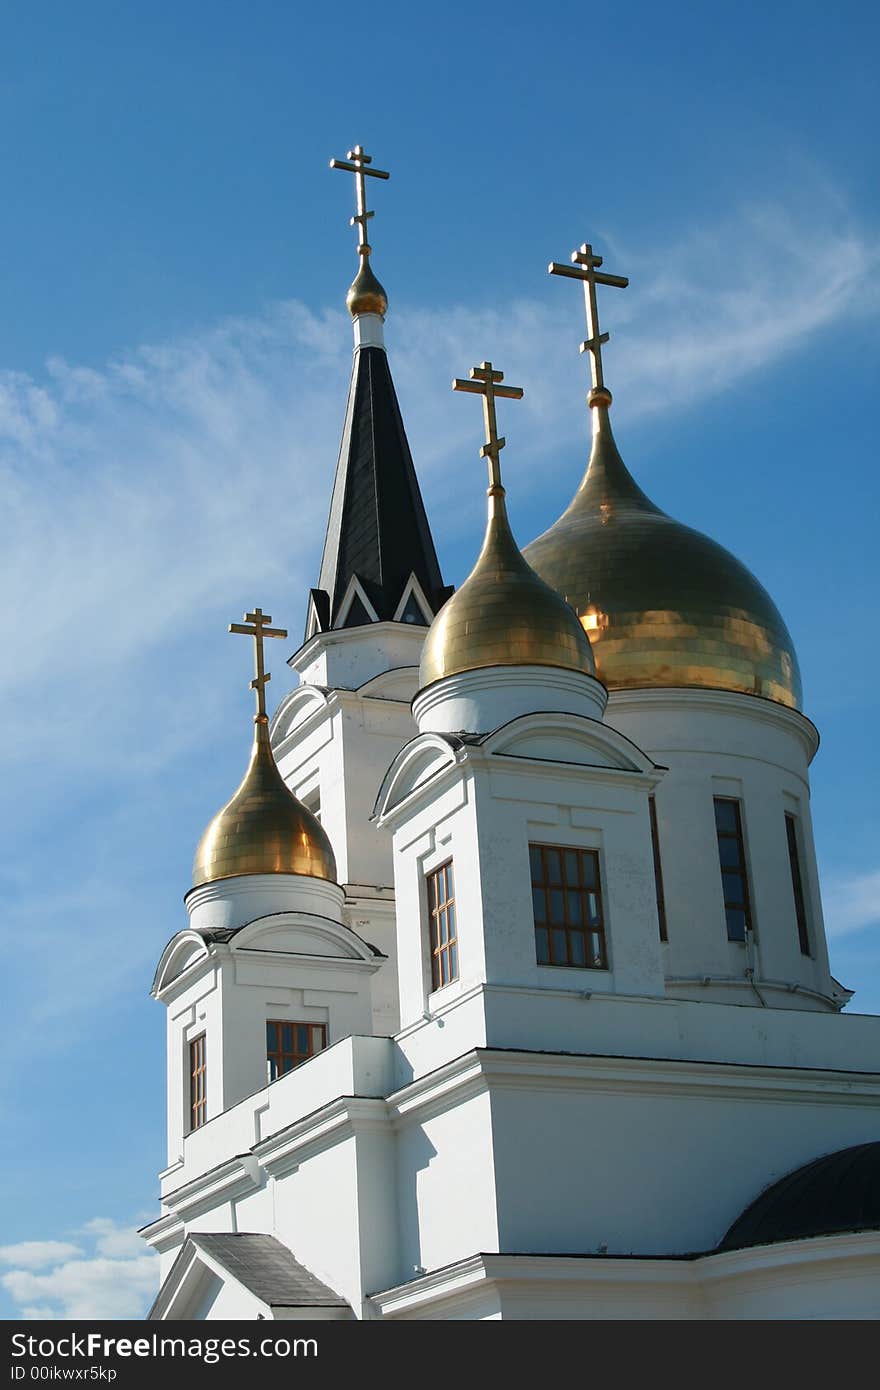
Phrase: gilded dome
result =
(365, 294)
(503, 614)
(664, 605)
(264, 829)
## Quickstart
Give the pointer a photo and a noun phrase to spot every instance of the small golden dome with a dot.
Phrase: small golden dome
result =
(365, 294)
(264, 829)
(664, 605)
(503, 614)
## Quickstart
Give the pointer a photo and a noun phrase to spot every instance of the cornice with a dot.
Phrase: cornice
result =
(164, 1233)
(235, 1177)
(734, 702)
(283, 1151)
(697, 1271)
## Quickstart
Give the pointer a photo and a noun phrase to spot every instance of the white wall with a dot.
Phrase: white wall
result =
(720, 744)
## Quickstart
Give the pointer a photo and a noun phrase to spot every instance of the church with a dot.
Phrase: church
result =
(503, 988)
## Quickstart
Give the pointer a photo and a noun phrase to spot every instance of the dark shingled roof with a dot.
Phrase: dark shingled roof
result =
(378, 529)
(266, 1267)
(831, 1195)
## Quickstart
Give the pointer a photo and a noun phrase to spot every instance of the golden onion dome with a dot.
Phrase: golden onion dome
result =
(365, 294)
(264, 829)
(503, 614)
(664, 605)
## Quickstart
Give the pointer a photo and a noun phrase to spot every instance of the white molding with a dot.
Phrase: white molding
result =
(327, 929)
(372, 689)
(354, 589)
(414, 771)
(163, 980)
(487, 1068)
(580, 729)
(481, 700)
(235, 1177)
(685, 700)
(166, 1232)
(244, 885)
(284, 1150)
(688, 1278)
(412, 586)
(300, 708)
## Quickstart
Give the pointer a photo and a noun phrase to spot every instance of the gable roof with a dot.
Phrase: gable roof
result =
(260, 1263)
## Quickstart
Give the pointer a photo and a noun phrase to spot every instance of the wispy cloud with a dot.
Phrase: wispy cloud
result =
(36, 1254)
(117, 1278)
(852, 904)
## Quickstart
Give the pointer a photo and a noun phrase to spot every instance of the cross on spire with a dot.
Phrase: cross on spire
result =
(485, 381)
(358, 163)
(256, 625)
(585, 267)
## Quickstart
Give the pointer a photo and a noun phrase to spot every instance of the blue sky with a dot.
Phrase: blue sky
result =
(174, 354)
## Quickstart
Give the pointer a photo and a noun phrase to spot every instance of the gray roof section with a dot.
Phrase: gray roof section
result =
(267, 1268)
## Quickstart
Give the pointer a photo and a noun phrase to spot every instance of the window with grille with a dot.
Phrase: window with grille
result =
(732, 858)
(567, 901)
(198, 1083)
(797, 883)
(658, 870)
(289, 1044)
(442, 926)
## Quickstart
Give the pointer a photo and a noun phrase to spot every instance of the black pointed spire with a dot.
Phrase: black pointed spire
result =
(378, 531)
(379, 562)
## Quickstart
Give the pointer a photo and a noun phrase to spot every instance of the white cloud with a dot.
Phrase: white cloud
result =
(118, 1279)
(852, 904)
(35, 1254)
(113, 1240)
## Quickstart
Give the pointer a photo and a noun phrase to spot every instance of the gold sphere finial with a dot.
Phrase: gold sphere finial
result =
(365, 294)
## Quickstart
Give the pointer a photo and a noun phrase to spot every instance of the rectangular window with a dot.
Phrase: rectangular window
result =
(658, 869)
(567, 902)
(732, 858)
(443, 929)
(198, 1083)
(797, 884)
(288, 1044)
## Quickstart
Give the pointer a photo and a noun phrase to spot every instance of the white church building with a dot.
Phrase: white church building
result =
(504, 990)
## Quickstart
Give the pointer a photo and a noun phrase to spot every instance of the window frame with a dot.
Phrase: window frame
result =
(797, 883)
(443, 953)
(571, 929)
(197, 1051)
(658, 870)
(744, 904)
(279, 1051)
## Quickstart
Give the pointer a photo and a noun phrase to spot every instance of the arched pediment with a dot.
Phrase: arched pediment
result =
(567, 738)
(297, 707)
(182, 951)
(399, 684)
(302, 934)
(417, 763)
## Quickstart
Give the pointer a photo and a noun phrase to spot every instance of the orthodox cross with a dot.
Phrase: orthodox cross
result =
(585, 267)
(358, 163)
(484, 381)
(256, 625)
